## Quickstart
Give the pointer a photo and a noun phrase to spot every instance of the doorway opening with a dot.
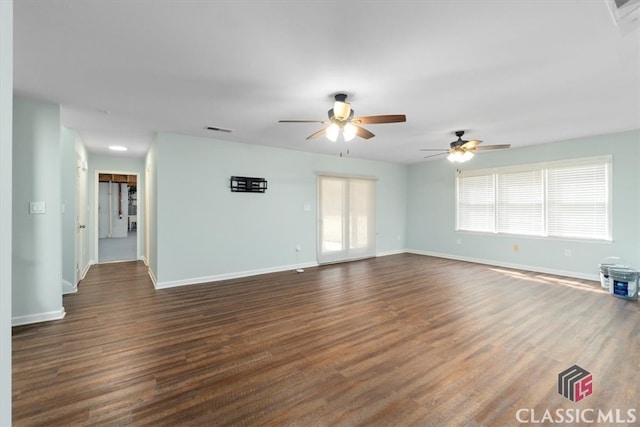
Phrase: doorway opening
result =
(117, 200)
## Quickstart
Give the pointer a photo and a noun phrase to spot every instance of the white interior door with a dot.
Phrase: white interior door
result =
(346, 218)
(81, 218)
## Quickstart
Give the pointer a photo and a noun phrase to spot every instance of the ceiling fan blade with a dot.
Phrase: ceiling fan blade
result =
(302, 121)
(434, 149)
(492, 147)
(388, 118)
(317, 134)
(434, 155)
(363, 133)
(471, 144)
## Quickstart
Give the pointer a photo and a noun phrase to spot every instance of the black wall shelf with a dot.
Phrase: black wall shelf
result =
(245, 184)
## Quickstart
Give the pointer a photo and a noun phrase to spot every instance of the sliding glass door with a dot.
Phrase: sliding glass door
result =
(346, 218)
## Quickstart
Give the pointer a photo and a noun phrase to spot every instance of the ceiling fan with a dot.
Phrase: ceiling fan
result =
(341, 119)
(462, 150)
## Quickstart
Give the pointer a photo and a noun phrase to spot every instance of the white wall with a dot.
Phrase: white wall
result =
(115, 165)
(431, 212)
(37, 238)
(68, 198)
(6, 142)
(206, 232)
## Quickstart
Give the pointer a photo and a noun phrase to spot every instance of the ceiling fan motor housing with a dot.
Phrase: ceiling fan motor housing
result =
(459, 142)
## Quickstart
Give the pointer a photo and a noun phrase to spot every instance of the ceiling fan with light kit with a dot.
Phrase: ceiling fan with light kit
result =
(342, 120)
(462, 150)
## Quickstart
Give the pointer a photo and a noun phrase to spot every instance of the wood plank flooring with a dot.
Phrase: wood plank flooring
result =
(394, 341)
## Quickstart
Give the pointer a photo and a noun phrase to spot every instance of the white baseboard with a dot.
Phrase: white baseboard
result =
(68, 288)
(396, 252)
(143, 259)
(227, 276)
(38, 317)
(85, 270)
(153, 278)
(495, 263)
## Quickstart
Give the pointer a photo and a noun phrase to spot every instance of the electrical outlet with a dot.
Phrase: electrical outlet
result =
(37, 207)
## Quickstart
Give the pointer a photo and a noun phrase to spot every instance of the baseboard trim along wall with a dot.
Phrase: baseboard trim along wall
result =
(153, 278)
(227, 276)
(494, 263)
(68, 288)
(396, 252)
(85, 270)
(38, 317)
(238, 275)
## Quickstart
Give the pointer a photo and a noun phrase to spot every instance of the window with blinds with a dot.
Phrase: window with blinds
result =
(578, 201)
(476, 203)
(568, 199)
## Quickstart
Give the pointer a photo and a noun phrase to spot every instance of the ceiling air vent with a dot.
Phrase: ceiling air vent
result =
(217, 129)
(626, 14)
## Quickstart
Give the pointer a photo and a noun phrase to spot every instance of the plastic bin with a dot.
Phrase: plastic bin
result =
(624, 282)
(605, 265)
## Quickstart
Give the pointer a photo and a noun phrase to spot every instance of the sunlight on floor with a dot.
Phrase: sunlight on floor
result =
(551, 280)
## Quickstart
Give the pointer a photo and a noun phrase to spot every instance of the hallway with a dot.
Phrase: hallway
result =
(118, 248)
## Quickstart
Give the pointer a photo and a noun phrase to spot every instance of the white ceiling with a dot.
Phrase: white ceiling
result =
(518, 72)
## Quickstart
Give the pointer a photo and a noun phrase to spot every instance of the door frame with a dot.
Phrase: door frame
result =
(81, 214)
(355, 255)
(96, 200)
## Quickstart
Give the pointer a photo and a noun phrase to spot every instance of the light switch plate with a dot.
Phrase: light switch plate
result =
(37, 207)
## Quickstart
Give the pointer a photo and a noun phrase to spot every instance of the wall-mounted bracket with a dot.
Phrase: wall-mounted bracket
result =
(245, 184)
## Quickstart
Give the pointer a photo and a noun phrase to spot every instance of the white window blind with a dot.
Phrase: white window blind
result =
(476, 203)
(520, 202)
(578, 201)
(569, 199)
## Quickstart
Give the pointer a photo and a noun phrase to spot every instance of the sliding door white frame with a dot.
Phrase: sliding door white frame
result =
(346, 224)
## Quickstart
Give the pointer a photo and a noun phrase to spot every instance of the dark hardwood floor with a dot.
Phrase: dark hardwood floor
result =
(392, 341)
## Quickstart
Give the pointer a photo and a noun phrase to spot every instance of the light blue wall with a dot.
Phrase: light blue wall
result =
(114, 164)
(431, 210)
(36, 242)
(6, 142)
(68, 196)
(205, 230)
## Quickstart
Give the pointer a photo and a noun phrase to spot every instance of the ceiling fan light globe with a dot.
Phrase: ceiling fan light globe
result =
(467, 155)
(341, 110)
(332, 132)
(349, 132)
